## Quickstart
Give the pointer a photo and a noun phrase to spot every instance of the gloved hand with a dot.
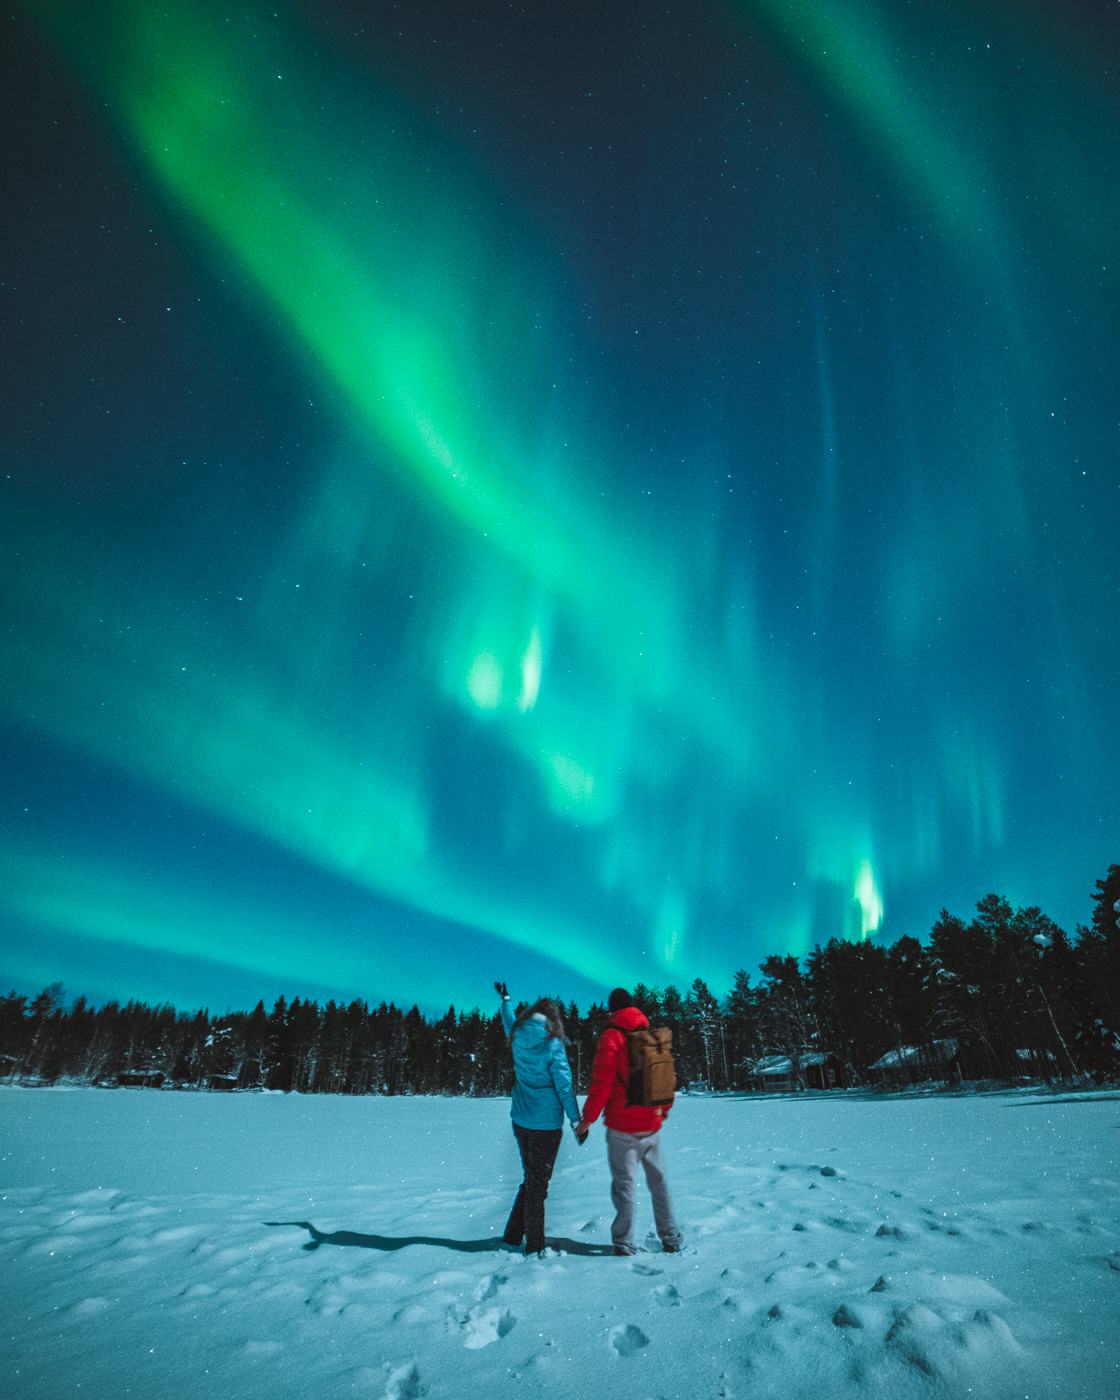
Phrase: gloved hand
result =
(500, 988)
(581, 1130)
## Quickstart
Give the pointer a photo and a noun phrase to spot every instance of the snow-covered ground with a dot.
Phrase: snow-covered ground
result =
(172, 1244)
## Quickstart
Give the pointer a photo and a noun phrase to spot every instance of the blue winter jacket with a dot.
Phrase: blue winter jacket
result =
(543, 1092)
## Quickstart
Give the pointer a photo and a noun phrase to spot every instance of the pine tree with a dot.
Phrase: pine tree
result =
(648, 1002)
(743, 1045)
(1099, 950)
(706, 1024)
(848, 995)
(255, 1033)
(784, 1008)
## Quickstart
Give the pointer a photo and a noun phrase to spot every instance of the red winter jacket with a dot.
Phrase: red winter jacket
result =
(610, 1075)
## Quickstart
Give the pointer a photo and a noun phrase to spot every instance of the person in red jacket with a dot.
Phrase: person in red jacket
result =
(633, 1131)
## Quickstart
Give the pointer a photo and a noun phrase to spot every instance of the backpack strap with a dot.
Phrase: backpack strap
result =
(624, 1067)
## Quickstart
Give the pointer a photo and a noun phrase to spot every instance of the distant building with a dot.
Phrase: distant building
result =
(1037, 1064)
(911, 1064)
(819, 1070)
(823, 1072)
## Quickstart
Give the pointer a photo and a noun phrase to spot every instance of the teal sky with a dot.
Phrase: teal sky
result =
(550, 494)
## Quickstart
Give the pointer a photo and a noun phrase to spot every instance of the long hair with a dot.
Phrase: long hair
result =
(552, 1019)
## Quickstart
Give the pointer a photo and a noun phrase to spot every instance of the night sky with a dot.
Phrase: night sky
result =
(563, 492)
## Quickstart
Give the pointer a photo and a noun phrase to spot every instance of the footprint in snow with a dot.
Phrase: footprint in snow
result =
(628, 1339)
(183, 1232)
(411, 1315)
(846, 1316)
(405, 1383)
(489, 1286)
(849, 1227)
(645, 1269)
(481, 1328)
(89, 1307)
(666, 1296)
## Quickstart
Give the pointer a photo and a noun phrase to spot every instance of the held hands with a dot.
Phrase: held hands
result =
(500, 988)
(581, 1130)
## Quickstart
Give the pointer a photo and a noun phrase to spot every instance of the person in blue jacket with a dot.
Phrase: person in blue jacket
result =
(542, 1095)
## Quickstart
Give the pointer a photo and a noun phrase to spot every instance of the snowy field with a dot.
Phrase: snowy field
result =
(173, 1245)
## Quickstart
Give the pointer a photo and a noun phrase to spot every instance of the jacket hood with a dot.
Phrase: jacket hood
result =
(628, 1019)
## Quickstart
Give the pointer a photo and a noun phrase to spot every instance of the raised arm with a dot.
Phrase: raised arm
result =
(508, 1017)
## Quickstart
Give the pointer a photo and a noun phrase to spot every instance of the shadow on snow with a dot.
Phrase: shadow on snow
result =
(487, 1246)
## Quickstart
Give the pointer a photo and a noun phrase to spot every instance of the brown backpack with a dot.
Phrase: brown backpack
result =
(652, 1080)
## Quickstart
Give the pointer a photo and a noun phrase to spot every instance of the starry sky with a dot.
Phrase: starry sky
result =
(571, 493)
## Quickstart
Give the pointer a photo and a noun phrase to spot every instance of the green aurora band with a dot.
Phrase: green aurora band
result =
(234, 128)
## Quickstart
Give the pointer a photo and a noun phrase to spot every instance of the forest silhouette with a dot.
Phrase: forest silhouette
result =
(1005, 997)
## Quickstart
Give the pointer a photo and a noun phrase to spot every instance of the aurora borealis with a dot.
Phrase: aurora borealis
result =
(547, 492)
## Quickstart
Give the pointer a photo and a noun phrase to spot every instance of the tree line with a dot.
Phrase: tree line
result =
(1010, 992)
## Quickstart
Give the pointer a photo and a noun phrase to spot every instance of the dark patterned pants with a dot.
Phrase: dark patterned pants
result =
(539, 1147)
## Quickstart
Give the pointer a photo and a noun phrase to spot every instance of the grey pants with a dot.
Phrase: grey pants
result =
(624, 1152)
